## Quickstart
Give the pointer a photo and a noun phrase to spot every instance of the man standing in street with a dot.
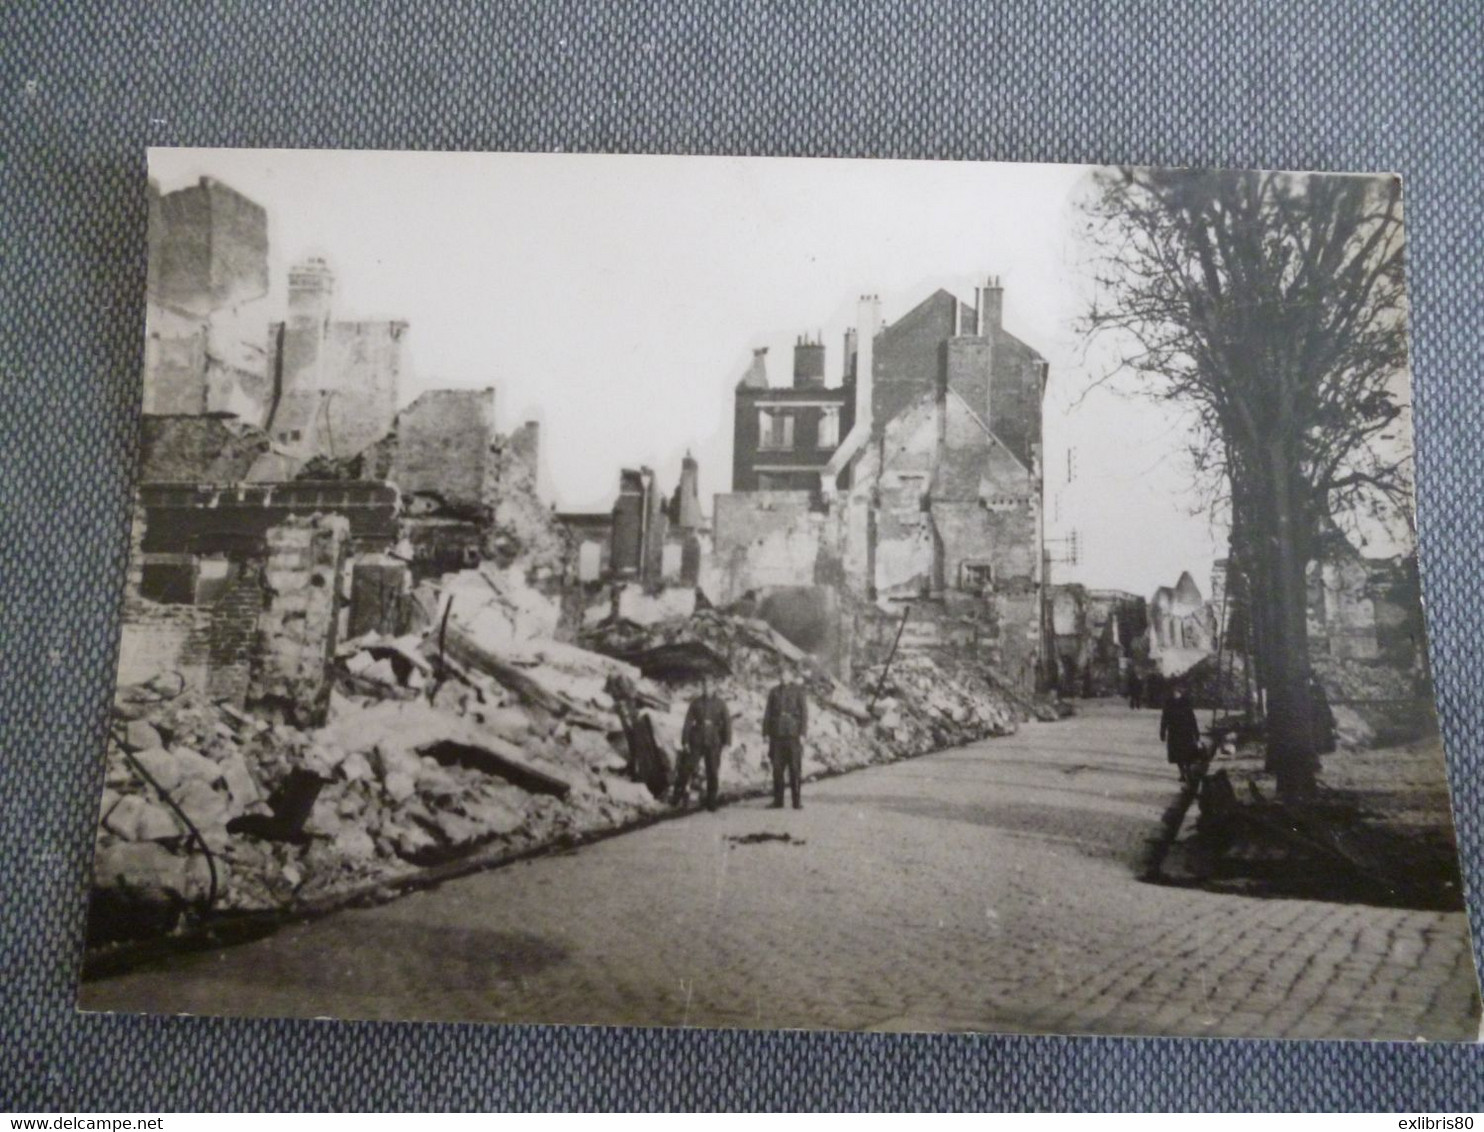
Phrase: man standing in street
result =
(785, 721)
(1135, 689)
(707, 732)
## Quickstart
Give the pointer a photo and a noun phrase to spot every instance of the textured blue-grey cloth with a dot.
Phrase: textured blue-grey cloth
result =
(1317, 84)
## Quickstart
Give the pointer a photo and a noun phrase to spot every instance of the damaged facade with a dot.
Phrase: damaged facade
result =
(1366, 609)
(1095, 636)
(255, 431)
(468, 492)
(315, 384)
(647, 543)
(930, 498)
(207, 341)
(336, 382)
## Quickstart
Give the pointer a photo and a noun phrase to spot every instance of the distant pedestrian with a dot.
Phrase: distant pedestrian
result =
(1180, 732)
(707, 732)
(1135, 690)
(785, 722)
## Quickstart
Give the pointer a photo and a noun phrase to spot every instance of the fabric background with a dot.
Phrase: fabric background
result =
(1384, 85)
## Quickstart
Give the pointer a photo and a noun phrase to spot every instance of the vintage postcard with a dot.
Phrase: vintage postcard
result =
(776, 593)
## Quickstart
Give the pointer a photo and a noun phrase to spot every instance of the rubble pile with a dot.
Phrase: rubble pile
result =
(925, 702)
(479, 732)
(930, 700)
(1374, 703)
(744, 658)
(1214, 682)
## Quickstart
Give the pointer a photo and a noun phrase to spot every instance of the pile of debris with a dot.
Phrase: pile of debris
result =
(744, 657)
(1375, 703)
(928, 700)
(477, 734)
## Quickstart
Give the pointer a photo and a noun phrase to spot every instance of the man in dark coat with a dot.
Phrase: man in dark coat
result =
(785, 721)
(707, 732)
(1135, 689)
(1180, 731)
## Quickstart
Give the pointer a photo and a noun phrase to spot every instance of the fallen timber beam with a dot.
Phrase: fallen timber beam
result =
(466, 650)
(496, 757)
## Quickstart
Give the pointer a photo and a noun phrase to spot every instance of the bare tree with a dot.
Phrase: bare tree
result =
(1271, 305)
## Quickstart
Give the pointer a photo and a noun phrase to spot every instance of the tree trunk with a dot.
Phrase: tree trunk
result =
(1291, 748)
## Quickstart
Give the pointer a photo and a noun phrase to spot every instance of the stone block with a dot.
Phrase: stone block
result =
(141, 736)
(137, 819)
(194, 766)
(161, 766)
(400, 785)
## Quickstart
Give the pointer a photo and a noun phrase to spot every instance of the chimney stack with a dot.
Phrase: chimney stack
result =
(808, 363)
(756, 376)
(688, 495)
(311, 287)
(989, 302)
(867, 323)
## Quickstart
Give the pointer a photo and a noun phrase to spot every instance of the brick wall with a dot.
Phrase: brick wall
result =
(233, 634)
(210, 248)
(910, 357)
(340, 386)
(1015, 396)
(763, 539)
(443, 447)
(968, 373)
(187, 518)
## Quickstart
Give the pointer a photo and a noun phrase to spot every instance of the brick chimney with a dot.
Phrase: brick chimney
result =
(989, 303)
(687, 507)
(808, 363)
(311, 289)
(867, 324)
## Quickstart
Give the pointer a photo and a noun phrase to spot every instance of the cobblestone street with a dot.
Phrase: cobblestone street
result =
(986, 888)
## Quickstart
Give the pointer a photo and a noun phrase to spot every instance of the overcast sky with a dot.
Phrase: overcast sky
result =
(618, 300)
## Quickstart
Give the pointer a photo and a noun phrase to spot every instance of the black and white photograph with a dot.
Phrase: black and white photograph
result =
(776, 593)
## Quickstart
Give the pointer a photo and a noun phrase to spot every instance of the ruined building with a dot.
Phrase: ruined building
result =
(1094, 634)
(468, 492)
(283, 503)
(784, 437)
(1358, 608)
(315, 385)
(206, 345)
(337, 381)
(1366, 609)
(645, 556)
(929, 498)
(1181, 619)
